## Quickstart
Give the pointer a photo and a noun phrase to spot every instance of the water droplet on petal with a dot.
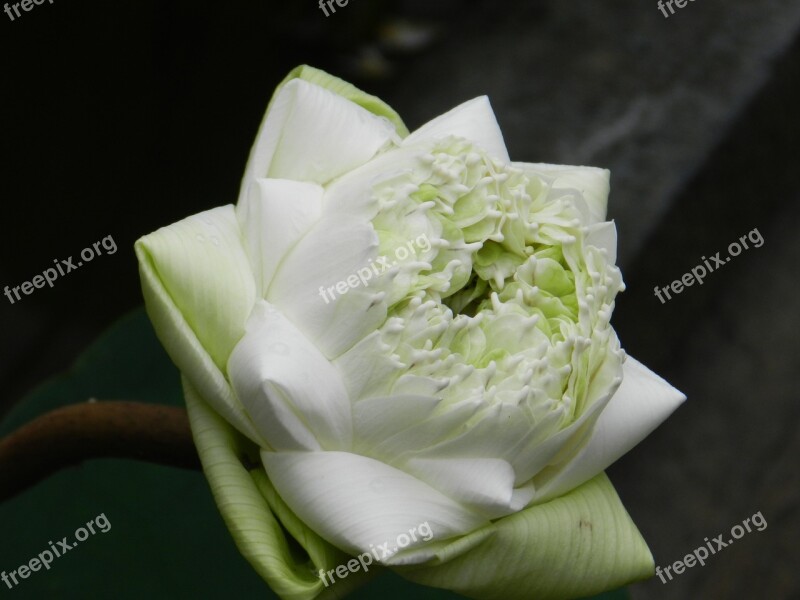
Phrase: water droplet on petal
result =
(278, 348)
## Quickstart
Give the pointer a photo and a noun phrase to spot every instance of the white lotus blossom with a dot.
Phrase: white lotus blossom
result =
(474, 379)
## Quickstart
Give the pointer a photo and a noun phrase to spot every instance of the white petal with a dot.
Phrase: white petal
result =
(604, 236)
(293, 394)
(498, 434)
(332, 254)
(352, 194)
(358, 503)
(538, 450)
(473, 120)
(424, 434)
(418, 385)
(312, 134)
(483, 484)
(274, 215)
(368, 368)
(376, 419)
(641, 404)
(592, 183)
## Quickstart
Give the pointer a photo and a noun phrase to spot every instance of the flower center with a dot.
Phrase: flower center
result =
(508, 304)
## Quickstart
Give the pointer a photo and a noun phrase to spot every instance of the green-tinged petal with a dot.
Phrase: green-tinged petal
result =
(642, 402)
(356, 502)
(312, 134)
(319, 551)
(245, 502)
(273, 216)
(592, 182)
(473, 120)
(294, 395)
(199, 291)
(347, 90)
(371, 103)
(577, 545)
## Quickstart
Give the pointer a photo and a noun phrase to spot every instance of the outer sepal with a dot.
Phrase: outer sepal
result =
(577, 545)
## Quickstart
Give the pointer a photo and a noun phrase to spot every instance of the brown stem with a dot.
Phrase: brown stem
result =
(70, 435)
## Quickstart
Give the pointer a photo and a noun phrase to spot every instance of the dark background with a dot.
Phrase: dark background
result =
(117, 119)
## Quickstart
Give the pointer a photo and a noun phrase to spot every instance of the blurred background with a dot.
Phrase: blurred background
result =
(119, 119)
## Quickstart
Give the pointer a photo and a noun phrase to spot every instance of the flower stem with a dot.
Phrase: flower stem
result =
(70, 435)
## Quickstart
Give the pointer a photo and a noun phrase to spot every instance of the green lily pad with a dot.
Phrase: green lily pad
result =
(167, 539)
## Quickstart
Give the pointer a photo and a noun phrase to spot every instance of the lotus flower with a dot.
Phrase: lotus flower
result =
(472, 382)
